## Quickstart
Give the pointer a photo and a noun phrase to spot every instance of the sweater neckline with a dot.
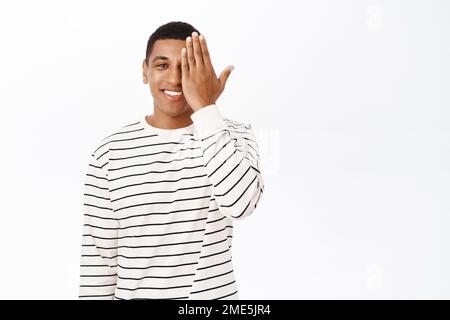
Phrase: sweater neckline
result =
(147, 126)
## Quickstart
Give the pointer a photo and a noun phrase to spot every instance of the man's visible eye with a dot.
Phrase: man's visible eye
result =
(162, 64)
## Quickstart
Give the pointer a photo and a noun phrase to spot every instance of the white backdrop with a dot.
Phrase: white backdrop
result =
(350, 101)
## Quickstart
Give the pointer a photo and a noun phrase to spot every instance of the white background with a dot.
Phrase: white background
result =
(350, 101)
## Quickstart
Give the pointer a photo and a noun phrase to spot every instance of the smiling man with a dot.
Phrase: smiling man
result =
(162, 192)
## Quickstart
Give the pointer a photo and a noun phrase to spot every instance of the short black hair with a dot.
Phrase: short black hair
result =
(172, 30)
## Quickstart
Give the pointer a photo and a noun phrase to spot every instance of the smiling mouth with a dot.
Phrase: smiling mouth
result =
(173, 95)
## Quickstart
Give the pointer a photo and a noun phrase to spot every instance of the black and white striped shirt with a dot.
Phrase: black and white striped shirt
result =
(159, 206)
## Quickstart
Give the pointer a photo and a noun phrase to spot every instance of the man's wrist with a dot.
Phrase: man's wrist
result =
(201, 105)
(208, 120)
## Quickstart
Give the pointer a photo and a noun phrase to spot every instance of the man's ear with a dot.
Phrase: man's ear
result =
(145, 72)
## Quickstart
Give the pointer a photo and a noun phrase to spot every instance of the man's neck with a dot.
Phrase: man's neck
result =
(164, 122)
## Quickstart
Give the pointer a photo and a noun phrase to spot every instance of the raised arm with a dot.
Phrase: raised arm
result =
(231, 160)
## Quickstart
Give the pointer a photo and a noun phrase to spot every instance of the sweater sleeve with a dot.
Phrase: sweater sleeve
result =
(231, 161)
(98, 268)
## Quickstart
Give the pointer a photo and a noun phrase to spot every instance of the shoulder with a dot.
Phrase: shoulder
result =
(128, 131)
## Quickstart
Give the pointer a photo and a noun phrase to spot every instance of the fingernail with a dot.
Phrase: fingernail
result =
(194, 34)
(232, 68)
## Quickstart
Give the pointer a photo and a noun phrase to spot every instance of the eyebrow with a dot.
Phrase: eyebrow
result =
(159, 58)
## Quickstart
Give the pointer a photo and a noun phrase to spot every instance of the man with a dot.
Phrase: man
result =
(161, 193)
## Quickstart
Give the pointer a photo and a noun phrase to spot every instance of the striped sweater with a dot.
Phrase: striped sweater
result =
(159, 206)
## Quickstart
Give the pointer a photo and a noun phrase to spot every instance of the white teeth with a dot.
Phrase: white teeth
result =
(172, 93)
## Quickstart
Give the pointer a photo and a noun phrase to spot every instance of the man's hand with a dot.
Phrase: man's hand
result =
(201, 87)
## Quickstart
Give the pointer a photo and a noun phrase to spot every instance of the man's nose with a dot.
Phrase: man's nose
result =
(174, 75)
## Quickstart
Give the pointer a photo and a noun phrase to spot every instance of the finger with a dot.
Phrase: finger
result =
(205, 52)
(184, 63)
(197, 50)
(190, 54)
(224, 76)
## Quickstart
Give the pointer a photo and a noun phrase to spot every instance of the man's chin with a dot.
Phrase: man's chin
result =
(175, 109)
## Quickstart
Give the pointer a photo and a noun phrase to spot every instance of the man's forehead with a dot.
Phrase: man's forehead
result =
(167, 49)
